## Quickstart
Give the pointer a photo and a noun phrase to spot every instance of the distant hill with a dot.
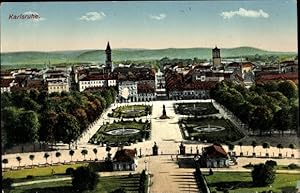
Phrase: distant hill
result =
(14, 58)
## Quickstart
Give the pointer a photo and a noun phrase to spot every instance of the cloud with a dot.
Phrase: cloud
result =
(158, 17)
(244, 13)
(35, 16)
(92, 16)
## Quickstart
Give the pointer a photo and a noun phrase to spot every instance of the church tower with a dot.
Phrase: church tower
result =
(108, 62)
(216, 56)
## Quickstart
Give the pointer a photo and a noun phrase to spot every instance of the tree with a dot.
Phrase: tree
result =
(19, 160)
(58, 154)
(282, 120)
(46, 155)
(266, 146)
(84, 152)
(6, 183)
(5, 161)
(241, 144)
(263, 175)
(68, 128)
(279, 146)
(30, 126)
(71, 153)
(108, 152)
(288, 88)
(261, 119)
(292, 147)
(84, 179)
(95, 152)
(31, 157)
(253, 144)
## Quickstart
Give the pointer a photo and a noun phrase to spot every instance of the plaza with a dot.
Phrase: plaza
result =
(167, 176)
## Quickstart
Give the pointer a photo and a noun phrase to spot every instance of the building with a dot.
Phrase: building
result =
(128, 91)
(58, 85)
(214, 156)
(6, 84)
(216, 57)
(108, 61)
(125, 160)
(146, 90)
(160, 86)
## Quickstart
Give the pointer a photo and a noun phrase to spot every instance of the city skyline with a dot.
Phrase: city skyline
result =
(268, 25)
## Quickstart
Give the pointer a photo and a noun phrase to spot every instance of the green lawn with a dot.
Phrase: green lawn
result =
(131, 111)
(38, 172)
(105, 185)
(195, 108)
(243, 182)
(102, 136)
(231, 132)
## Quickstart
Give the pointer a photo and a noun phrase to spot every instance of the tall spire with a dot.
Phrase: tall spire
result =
(108, 46)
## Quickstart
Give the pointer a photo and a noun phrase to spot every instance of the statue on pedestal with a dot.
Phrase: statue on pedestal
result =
(164, 114)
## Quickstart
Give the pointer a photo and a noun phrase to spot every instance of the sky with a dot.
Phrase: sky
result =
(264, 24)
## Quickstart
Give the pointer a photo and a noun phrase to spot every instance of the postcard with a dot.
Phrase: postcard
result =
(150, 96)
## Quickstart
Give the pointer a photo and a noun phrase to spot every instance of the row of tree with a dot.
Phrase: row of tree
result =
(34, 116)
(265, 107)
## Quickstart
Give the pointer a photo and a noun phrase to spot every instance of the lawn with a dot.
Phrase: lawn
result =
(102, 136)
(131, 111)
(39, 172)
(195, 108)
(231, 132)
(105, 185)
(243, 182)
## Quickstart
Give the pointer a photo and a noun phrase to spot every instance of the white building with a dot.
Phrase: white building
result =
(128, 91)
(58, 85)
(125, 160)
(96, 81)
(160, 85)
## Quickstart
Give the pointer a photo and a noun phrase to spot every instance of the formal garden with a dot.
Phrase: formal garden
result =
(209, 129)
(196, 109)
(82, 179)
(131, 111)
(122, 133)
(236, 182)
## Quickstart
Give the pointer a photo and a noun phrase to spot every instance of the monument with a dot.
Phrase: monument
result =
(155, 149)
(164, 114)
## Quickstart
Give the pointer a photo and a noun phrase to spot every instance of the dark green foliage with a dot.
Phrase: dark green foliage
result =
(69, 171)
(6, 183)
(119, 190)
(264, 107)
(263, 175)
(84, 179)
(31, 116)
(293, 166)
(29, 177)
(271, 163)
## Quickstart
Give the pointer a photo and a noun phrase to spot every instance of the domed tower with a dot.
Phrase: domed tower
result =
(216, 56)
(108, 62)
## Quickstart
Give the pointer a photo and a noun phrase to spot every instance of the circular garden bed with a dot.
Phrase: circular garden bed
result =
(131, 111)
(195, 109)
(122, 132)
(212, 129)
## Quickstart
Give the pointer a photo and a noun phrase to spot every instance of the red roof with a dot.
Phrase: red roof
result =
(125, 155)
(5, 82)
(215, 151)
(285, 76)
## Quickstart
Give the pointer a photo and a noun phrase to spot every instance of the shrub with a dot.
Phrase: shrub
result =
(29, 177)
(84, 179)
(69, 171)
(271, 163)
(293, 166)
(262, 175)
(6, 183)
